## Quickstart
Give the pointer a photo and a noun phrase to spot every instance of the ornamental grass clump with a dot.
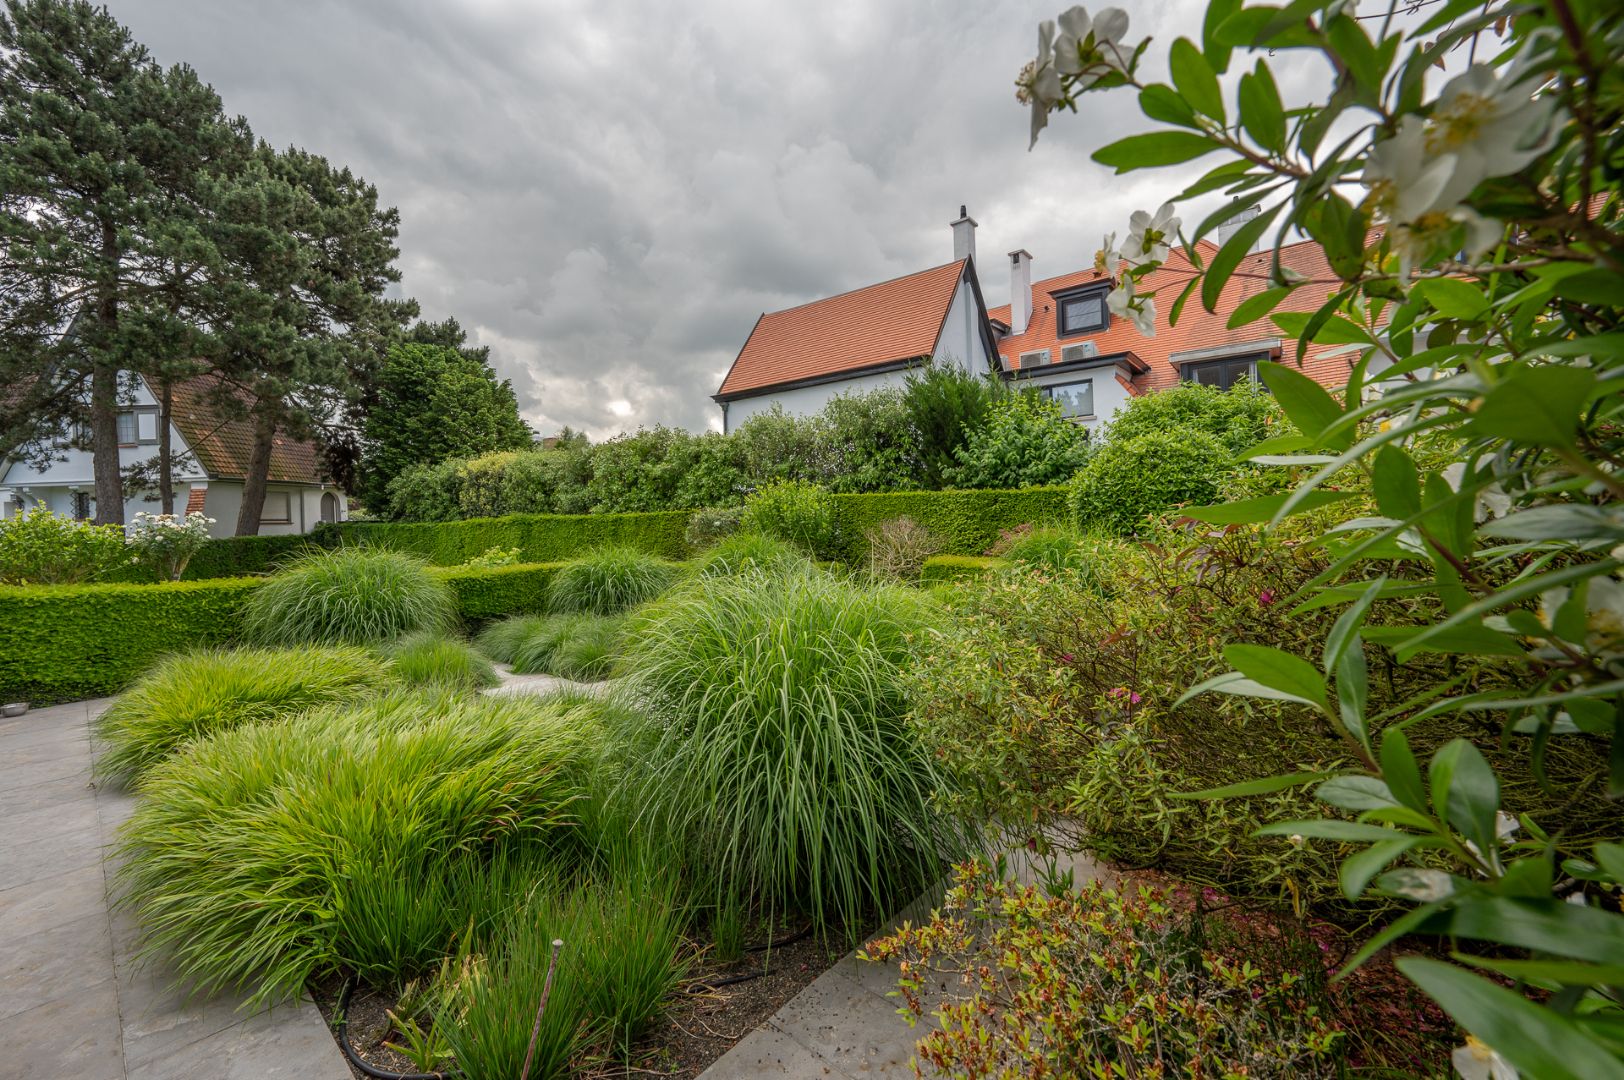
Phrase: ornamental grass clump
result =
(750, 551)
(197, 694)
(500, 639)
(344, 839)
(611, 580)
(775, 747)
(428, 658)
(352, 596)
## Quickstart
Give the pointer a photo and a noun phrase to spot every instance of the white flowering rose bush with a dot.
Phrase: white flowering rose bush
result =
(1462, 177)
(165, 543)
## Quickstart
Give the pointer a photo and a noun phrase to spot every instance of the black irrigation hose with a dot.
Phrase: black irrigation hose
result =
(342, 1027)
(699, 986)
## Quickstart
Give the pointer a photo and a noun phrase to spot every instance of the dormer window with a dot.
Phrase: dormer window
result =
(1082, 311)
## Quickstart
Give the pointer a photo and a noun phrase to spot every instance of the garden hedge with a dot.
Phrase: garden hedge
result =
(967, 522)
(939, 568)
(68, 642)
(540, 538)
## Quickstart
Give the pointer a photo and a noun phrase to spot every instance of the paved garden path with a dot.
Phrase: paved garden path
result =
(72, 1006)
(843, 1027)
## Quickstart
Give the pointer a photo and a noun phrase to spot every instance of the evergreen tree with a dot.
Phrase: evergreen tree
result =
(436, 402)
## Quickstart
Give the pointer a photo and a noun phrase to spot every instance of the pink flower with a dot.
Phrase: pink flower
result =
(1266, 597)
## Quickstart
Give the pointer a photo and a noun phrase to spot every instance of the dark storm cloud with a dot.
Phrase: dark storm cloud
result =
(608, 195)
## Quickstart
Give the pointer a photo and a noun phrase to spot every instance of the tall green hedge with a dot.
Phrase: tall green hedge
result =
(540, 538)
(968, 522)
(67, 642)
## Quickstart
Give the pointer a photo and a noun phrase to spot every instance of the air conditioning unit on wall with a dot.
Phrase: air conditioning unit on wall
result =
(1035, 358)
(1083, 350)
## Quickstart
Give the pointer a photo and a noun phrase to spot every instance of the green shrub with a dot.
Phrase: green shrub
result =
(967, 522)
(352, 596)
(1129, 481)
(424, 492)
(1238, 417)
(775, 746)
(40, 548)
(749, 551)
(868, 442)
(798, 512)
(706, 527)
(610, 580)
(533, 654)
(343, 838)
(539, 537)
(504, 590)
(1024, 441)
(940, 568)
(945, 405)
(432, 658)
(195, 694)
(494, 557)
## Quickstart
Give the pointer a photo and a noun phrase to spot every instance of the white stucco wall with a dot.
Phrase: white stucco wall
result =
(1109, 394)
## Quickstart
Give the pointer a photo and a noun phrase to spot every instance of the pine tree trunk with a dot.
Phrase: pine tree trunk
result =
(166, 470)
(259, 471)
(104, 393)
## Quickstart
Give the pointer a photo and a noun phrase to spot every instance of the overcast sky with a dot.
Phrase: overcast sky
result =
(609, 194)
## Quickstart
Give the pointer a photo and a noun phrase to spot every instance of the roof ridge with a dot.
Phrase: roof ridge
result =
(863, 288)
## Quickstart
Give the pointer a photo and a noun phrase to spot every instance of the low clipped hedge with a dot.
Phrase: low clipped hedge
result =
(540, 538)
(940, 568)
(967, 522)
(68, 642)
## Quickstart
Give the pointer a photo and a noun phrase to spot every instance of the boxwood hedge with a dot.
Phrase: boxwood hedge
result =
(968, 522)
(540, 538)
(939, 568)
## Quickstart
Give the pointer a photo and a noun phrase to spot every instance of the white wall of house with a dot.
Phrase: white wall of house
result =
(961, 341)
(1108, 392)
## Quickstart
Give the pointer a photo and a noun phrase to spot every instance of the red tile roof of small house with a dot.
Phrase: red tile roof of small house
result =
(223, 445)
(1197, 329)
(872, 327)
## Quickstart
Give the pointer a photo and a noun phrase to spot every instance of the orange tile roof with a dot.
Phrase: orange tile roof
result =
(223, 446)
(1197, 328)
(893, 321)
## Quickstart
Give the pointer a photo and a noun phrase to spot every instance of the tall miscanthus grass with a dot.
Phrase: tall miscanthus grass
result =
(741, 552)
(500, 639)
(431, 658)
(350, 596)
(610, 580)
(343, 838)
(775, 747)
(574, 646)
(195, 694)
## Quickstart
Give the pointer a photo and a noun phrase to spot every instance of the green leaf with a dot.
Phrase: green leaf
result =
(1279, 670)
(1357, 869)
(1400, 770)
(1539, 1042)
(1355, 793)
(1154, 149)
(1261, 113)
(1453, 298)
(1575, 521)
(1195, 79)
(1266, 786)
(1161, 102)
(1464, 640)
(1306, 402)
(1390, 933)
(1345, 632)
(1465, 792)
(1352, 690)
(1255, 307)
(1262, 508)
(1217, 52)
(1557, 972)
(1538, 405)
(1236, 248)
(1396, 483)
(1328, 829)
(1542, 925)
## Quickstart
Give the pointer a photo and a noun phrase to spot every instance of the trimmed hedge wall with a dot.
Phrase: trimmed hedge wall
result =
(540, 538)
(968, 522)
(67, 642)
(939, 568)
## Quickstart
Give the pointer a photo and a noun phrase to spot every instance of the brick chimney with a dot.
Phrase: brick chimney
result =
(964, 237)
(1020, 291)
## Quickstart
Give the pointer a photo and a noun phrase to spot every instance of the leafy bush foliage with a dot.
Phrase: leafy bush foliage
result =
(1126, 482)
(706, 527)
(347, 837)
(797, 512)
(165, 543)
(868, 443)
(1098, 983)
(494, 557)
(775, 746)
(610, 580)
(945, 405)
(431, 658)
(898, 548)
(1026, 440)
(1238, 417)
(355, 596)
(40, 548)
(195, 694)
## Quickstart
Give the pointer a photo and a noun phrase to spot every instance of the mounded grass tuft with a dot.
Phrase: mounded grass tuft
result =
(589, 651)
(351, 596)
(534, 653)
(501, 639)
(577, 646)
(196, 694)
(349, 837)
(611, 580)
(750, 551)
(427, 658)
(775, 747)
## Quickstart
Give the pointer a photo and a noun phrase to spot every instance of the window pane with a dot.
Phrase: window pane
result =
(1082, 313)
(277, 507)
(146, 426)
(1076, 399)
(126, 427)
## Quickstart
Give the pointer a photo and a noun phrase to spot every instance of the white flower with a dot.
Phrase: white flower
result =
(1404, 182)
(1040, 82)
(1476, 1061)
(1148, 235)
(1091, 48)
(1296, 840)
(1140, 310)
(1107, 259)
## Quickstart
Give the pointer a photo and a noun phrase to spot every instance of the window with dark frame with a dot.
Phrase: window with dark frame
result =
(1076, 398)
(1223, 373)
(1082, 312)
(126, 429)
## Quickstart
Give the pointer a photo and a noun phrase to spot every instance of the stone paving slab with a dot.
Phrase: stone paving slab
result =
(74, 1004)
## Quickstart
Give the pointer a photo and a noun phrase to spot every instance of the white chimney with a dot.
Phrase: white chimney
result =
(964, 237)
(1020, 291)
(1232, 226)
